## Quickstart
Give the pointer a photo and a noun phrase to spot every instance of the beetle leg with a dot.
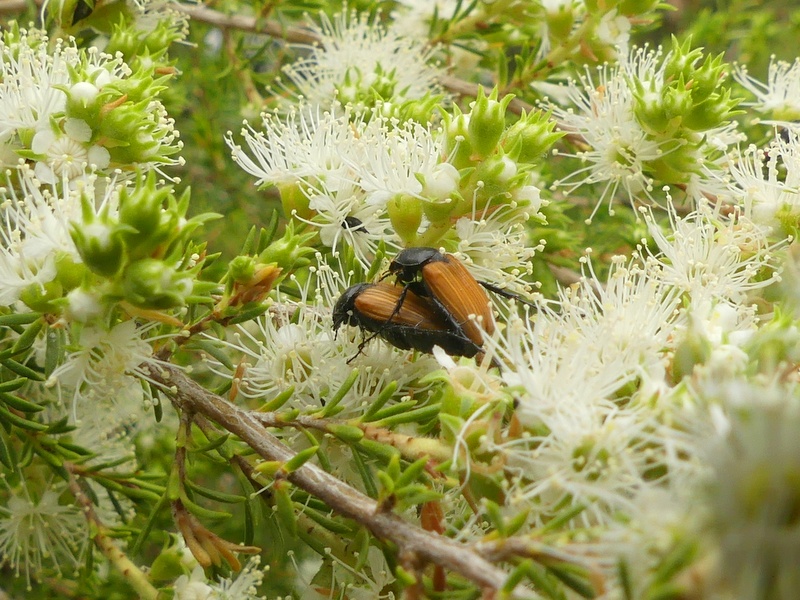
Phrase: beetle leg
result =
(506, 294)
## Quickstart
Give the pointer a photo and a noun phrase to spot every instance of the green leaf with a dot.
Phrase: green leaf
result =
(330, 406)
(13, 385)
(420, 414)
(377, 404)
(20, 404)
(5, 454)
(18, 319)
(22, 370)
(28, 337)
(20, 422)
(211, 445)
(215, 494)
(203, 512)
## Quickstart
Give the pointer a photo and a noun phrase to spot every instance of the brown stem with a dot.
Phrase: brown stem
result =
(247, 23)
(132, 574)
(340, 497)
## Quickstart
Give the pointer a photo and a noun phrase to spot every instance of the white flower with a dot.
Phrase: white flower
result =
(34, 233)
(619, 149)
(755, 461)
(33, 102)
(614, 30)
(305, 145)
(713, 257)
(149, 14)
(767, 182)
(106, 365)
(39, 533)
(393, 159)
(592, 457)
(30, 73)
(779, 97)
(495, 248)
(344, 216)
(622, 153)
(357, 57)
(243, 587)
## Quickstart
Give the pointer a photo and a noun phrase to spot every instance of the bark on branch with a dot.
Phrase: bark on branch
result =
(340, 497)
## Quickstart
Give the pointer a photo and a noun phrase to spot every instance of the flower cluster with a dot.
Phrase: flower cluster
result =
(651, 119)
(71, 110)
(628, 431)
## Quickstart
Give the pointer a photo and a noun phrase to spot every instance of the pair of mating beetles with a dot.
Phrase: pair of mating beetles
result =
(436, 302)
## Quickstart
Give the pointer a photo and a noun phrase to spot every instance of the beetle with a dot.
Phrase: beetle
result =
(402, 318)
(353, 224)
(455, 293)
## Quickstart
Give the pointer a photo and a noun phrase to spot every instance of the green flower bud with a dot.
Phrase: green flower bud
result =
(295, 200)
(706, 80)
(649, 110)
(150, 283)
(458, 148)
(242, 269)
(41, 297)
(440, 212)
(167, 566)
(123, 39)
(677, 101)
(84, 101)
(711, 113)
(560, 21)
(487, 122)
(69, 273)
(530, 137)
(290, 251)
(680, 60)
(405, 213)
(691, 351)
(150, 214)
(100, 246)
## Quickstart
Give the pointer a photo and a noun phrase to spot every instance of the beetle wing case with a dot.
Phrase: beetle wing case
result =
(380, 301)
(415, 323)
(459, 295)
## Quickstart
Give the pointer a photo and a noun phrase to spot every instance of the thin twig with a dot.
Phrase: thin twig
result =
(117, 557)
(296, 35)
(340, 497)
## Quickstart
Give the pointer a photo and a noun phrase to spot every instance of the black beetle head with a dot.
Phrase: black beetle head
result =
(344, 310)
(407, 264)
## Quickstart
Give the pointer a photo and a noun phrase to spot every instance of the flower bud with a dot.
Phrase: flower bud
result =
(442, 183)
(458, 145)
(242, 269)
(487, 122)
(290, 251)
(405, 213)
(530, 137)
(100, 246)
(41, 297)
(149, 223)
(150, 283)
(693, 350)
(560, 21)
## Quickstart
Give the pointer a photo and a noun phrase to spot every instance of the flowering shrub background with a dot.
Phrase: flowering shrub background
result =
(178, 417)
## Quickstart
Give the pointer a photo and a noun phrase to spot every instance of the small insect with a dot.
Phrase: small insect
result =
(353, 224)
(402, 318)
(451, 288)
